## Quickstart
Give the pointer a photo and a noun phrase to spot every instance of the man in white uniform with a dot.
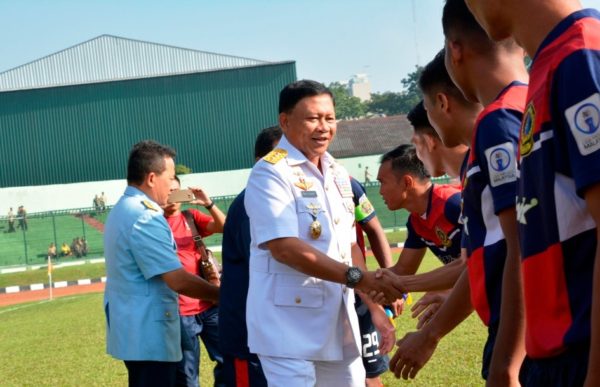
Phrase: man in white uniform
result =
(300, 315)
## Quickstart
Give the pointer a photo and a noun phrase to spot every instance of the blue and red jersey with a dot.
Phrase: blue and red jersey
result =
(559, 159)
(439, 228)
(489, 186)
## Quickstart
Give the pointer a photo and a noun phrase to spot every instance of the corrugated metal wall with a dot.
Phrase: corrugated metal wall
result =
(84, 133)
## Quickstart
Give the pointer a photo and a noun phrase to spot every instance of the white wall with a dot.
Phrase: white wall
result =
(78, 195)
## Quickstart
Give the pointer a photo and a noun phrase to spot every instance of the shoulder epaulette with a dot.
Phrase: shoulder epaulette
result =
(275, 156)
(149, 205)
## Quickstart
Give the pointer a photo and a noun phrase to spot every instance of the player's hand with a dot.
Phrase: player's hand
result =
(386, 330)
(382, 284)
(427, 307)
(397, 307)
(383, 298)
(414, 351)
(202, 198)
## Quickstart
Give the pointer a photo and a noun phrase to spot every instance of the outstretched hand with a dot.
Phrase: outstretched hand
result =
(414, 351)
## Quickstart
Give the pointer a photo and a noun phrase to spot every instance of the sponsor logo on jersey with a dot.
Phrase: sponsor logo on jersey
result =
(584, 122)
(501, 164)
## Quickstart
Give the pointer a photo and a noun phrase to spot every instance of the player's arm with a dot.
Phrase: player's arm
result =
(441, 278)
(191, 285)
(509, 350)
(379, 243)
(592, 198)
(416, 348)
(409, 261)
(380, 319)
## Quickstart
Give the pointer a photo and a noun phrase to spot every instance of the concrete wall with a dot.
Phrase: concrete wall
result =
(78, 195)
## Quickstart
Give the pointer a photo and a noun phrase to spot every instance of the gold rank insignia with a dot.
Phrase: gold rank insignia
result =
(149, 205)
(303, 184)
(275, 156)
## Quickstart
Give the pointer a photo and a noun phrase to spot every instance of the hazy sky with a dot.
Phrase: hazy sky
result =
(329, 39)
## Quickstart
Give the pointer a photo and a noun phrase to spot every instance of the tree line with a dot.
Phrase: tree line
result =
(387, 103)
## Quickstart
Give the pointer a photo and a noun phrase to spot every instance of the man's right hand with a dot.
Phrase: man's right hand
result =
(382, 284)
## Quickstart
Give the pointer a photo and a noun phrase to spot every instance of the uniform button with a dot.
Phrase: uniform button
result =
(336, 220)
(327, 188)
(167, 314)
(343, 255)
(298, 300)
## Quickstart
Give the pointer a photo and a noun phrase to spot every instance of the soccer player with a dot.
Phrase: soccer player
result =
(558, 201)
(494, 75)
(439, 160)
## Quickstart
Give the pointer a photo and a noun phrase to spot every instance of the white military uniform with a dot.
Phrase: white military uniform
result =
(290, 314)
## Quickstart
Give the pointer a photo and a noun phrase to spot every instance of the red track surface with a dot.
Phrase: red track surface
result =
(39, 295)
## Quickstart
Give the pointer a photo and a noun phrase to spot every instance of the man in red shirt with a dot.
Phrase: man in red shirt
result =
(198, 317)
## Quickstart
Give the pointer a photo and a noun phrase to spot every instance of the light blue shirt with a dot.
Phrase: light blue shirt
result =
(142, 316)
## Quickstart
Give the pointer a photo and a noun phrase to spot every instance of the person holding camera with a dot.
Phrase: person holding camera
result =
(198, 318)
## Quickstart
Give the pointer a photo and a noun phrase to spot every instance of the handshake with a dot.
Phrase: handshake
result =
(382, 286)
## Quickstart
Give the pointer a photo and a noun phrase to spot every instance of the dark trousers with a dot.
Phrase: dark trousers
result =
(206, 326)
(151, 373)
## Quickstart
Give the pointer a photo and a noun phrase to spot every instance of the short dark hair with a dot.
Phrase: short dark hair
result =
(435, 77)
(295, 91)
(459, 24)
(405, 161)
(419, 120)
(265, 139)
(145, 157)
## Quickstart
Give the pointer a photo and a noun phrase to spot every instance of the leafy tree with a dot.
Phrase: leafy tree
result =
(390, 103)
(181, 169)
(346, 106)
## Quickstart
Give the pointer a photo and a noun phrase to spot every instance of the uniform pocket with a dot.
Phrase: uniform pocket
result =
(165, 312)
(301, 297)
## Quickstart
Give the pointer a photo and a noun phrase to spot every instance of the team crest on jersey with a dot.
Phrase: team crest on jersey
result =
(584, 121)
(526, 144)
(446, 242)
(502, 167)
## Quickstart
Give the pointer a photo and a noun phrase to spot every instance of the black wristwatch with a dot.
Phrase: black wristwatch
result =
(353, 276)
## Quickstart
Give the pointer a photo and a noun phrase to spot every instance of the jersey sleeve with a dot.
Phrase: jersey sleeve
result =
(202, 221)
(363, 209)
(270, 205)
(576, 97)
(152, 245)
(413, 240)
(452, 209)
(496, 148)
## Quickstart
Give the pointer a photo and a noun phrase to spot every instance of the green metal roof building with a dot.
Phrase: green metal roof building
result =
(74, 115)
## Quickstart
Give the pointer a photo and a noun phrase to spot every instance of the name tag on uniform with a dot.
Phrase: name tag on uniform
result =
(343, 185)
(309, 194)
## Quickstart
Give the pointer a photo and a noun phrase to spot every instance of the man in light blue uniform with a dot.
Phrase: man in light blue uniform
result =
(144, 274)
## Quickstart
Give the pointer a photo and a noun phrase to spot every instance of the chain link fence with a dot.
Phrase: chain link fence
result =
(27, 242)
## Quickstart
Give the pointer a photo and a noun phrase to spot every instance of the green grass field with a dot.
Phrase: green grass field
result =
(61, 343)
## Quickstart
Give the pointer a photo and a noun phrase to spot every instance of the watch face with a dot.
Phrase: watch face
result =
(353, 276)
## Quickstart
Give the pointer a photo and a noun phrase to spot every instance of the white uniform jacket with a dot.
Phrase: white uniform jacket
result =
(290, 314)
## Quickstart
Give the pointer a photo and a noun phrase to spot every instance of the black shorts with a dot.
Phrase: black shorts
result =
(567, 369)
(374, 362)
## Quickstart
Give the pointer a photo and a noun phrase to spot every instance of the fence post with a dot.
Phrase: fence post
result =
(82, 224)
(54, 229)
(25, 245)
